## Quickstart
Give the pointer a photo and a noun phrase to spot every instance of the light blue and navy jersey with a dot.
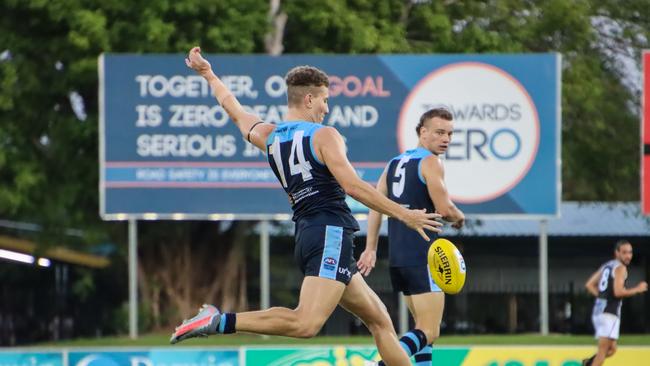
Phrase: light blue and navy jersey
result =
(407, 187)
(316, 197)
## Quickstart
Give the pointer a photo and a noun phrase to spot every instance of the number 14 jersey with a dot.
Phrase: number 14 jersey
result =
(315, 195)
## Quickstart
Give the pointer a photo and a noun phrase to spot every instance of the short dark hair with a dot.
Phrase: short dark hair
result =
(433, 113)
(620, 243)
(301, 79)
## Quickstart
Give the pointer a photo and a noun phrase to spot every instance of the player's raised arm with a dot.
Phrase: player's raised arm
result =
(434, 176)
(330, 146)
(250, 125)
(368, 258)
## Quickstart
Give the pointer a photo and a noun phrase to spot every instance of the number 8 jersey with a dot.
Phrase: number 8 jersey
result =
(407, 187)
(606, 302)
(315, 195)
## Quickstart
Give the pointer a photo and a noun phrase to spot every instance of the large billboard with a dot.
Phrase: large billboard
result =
(167, 150)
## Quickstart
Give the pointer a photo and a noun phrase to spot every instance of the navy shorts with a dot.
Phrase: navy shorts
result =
(326, 252)
(412, 280)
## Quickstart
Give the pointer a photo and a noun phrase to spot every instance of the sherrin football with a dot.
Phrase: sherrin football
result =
(447, 266)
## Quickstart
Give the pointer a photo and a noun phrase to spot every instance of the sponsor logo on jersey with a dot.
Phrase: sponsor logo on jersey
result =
(346, 272)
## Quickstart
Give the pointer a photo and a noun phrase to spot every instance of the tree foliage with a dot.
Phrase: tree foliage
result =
(49, 150)
(49, 50)
(600, 139)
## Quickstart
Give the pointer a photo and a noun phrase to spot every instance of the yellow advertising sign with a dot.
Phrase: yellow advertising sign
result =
(551, 356)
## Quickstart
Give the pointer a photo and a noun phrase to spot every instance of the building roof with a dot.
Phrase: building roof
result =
(576, 219)
(57, 253)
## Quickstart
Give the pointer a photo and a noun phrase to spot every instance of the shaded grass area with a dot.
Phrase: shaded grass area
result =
(158, 340)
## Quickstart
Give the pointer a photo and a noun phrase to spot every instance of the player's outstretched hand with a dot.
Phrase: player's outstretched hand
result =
(420, 220)
(458, 224)
(367, 261)
(195, 61)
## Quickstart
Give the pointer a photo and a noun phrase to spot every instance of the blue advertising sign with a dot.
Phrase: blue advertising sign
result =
(168, 150)
(19, 358)
(154, 357)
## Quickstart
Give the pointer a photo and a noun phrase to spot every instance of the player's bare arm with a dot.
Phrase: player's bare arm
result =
(368, 258)
(330, 149)
(592, 283)
(434, 175)
(619, 284)
(248, 123)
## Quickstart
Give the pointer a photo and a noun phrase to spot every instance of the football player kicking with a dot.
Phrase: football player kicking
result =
(310, 162)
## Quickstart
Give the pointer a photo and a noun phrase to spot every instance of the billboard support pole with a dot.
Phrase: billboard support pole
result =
(543, 277)
(265, 302)
(403, 315)
(133, 279)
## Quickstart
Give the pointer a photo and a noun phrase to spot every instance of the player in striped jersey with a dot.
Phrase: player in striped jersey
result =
(607, 284)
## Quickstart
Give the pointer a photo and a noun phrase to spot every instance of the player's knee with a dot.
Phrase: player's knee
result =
(380, 319)
(612, 350)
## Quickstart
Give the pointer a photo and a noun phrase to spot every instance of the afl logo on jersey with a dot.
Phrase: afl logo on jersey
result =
(496, 127)
(329, 260)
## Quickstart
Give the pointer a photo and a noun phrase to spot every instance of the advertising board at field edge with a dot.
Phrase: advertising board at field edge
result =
(448, 356)
(167, 150)
(155, 357)
(316, 356)
(31, 358)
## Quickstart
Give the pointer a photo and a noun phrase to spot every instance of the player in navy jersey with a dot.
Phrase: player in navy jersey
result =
(607, 284)
(310, 162)
(415, 179)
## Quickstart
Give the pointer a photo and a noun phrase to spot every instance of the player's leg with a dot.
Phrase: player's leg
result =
(604, 344)
(613, 335)
(427, 309)
(426, 303)
(607, 330)
(427, 312)
(322, 252)
(361, 300)
(612, 349)
(318, 299)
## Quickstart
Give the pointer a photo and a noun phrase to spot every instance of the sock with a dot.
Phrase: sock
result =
(412, 342)
(423, 358)
(590, 360)
(227, 323)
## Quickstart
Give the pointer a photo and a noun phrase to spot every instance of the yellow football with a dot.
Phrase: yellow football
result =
(447, 266)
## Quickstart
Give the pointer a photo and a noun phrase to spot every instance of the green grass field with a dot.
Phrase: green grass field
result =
(149, 340)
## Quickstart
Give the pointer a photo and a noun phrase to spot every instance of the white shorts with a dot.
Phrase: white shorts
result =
(606, 325)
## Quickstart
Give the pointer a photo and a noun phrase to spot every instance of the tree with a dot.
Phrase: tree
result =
(48, 99)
